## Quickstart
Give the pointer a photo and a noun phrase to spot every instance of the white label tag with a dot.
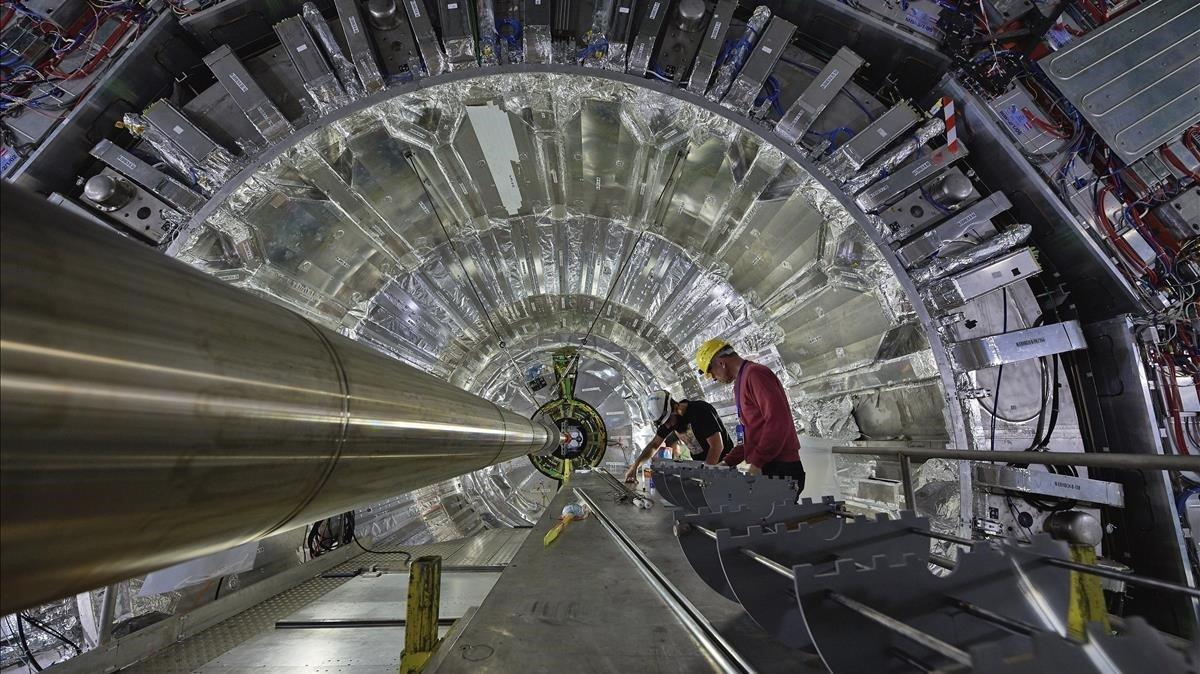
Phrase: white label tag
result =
(715, 31)
(416, 11)
(354, 25)
(622, 10)
(452, 5)
(178, 130)
(767, 49)
(881, 132)
(238, 82)
(124, 161)
(301, 48)
(654, 10)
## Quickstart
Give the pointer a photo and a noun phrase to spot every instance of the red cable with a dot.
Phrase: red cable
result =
(1044, 125)
(1174, 161)
(1117, 241)
(1174, 402)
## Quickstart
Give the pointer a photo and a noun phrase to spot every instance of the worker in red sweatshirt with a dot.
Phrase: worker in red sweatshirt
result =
(766, 434)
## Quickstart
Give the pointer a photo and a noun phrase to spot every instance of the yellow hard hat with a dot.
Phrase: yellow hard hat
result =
(705, 353)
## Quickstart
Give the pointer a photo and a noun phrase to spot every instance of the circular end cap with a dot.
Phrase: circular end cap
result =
(382, 14)
(691, 15)
(954, 188)
(99, 189)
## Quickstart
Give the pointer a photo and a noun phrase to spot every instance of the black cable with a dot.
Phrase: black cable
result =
(52, 632)
(408, 555)
(25, 644)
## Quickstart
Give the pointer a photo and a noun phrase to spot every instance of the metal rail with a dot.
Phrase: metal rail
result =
(723, 654)
(903, 629)
(1086, 460)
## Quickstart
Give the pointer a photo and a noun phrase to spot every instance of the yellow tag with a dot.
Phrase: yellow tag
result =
(566, 472)
(1087, 596)
(552, 535)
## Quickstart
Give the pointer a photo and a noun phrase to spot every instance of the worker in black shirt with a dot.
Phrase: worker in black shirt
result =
(710, 440)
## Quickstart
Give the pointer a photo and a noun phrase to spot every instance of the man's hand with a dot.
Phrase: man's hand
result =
(753, 470)
(631, 474)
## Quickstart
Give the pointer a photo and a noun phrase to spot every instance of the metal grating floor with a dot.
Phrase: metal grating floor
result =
(492, 547)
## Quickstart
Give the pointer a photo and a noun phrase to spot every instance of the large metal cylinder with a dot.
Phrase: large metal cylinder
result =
(150, 414)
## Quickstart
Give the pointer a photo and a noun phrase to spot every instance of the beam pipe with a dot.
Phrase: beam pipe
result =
(150, 414)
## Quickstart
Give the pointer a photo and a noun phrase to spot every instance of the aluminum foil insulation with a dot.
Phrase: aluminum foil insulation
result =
(738, 54)
(341, 65)
(559, 192)
(489, 40)
(207, 176)
(1002, 242)
(538, 45)
(888, 161)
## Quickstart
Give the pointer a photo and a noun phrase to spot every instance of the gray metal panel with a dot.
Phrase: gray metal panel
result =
(977, 281)
(385, 597)
(246, 93)
(142, 214)
(305, 54)
(710, 47)
(1150, 533)
(879, 134)
(358, 44)
(1136, 93)
(180, 130)
(1049, 484)
(427, 40)
(928, 243)
(915, 211)
(374, 650)
(915, 171)
(1018, 345)
(819, 94)
(759, 65)
(167, 188)
(650, 23)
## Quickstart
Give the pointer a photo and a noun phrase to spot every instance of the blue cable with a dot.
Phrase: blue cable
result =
(514, 39)
(1181, 500)
(587, 52)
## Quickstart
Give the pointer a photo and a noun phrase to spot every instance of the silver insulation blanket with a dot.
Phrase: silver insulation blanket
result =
(342, 66)
(1004, 241)
(888, 161)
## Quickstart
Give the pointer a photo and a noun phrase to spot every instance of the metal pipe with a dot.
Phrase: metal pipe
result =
(949, 538)
(108, 614)
(910, 499)
(1010, 624)
(911, 633)
(1130, 578)
(1090, 460)
(1123, 577)
(151, 414)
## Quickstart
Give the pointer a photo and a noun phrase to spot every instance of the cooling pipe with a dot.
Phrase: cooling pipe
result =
(150, 414)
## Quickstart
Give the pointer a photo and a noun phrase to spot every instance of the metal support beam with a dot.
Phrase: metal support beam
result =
(152, 414)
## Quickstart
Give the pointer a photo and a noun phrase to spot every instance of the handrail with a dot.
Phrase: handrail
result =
(1087, 460)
